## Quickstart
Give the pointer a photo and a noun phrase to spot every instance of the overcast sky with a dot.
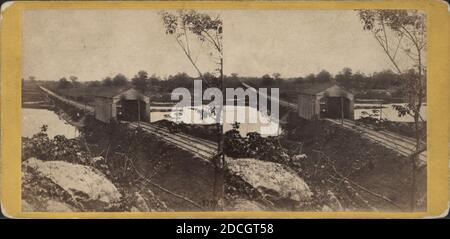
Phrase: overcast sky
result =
(93, 44)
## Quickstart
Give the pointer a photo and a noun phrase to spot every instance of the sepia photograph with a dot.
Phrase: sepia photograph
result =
(205, 110)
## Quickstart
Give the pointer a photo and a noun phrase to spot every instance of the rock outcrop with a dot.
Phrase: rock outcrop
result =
(63, 186)
(270, 179)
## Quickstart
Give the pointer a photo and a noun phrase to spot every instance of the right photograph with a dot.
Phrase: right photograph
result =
(352, 108)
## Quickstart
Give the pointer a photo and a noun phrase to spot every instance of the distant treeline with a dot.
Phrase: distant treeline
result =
(381, 85)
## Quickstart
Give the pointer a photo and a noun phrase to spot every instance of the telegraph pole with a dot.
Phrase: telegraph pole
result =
(342, 110)
(381, 111)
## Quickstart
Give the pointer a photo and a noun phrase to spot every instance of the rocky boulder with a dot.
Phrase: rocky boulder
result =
(64, 185)
(270, 179)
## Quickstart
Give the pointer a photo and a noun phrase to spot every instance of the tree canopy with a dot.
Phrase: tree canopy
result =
(119, 80)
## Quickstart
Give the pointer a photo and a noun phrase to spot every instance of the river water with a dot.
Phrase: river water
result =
(34, 119)
(387, 112)
(193, 115)
(264, 125)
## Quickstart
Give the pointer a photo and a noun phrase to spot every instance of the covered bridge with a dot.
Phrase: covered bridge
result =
(121, 104)
(327, 100)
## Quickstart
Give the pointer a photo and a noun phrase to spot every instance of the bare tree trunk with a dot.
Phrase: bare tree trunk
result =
(219, 161)
(221, 138)
(413, 166)
(414, 159)
(342, 110)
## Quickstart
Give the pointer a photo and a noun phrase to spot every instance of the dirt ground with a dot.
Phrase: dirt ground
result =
(167, 166)
(371, 166)
(186, 176)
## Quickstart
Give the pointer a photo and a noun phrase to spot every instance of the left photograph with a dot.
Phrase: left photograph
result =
(99, 132)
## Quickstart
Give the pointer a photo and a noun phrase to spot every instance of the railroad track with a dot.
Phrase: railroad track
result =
(398, 140)
(80, 106)
(204, 149)
(401, 144)
(280, 101)
(201, 148)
